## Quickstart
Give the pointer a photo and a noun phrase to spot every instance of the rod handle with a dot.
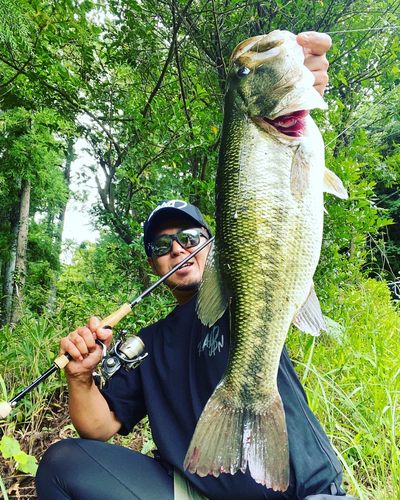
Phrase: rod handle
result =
(62, 361)
(116, 316)
(111, 320)
(5, 409)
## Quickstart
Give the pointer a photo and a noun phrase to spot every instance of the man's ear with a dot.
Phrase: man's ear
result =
(152, 265)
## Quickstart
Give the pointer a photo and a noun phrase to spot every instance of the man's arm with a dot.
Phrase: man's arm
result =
(315, 46)
(90, 413)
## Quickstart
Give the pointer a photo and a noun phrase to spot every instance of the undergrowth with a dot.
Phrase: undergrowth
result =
(351, 376)
(353, 384)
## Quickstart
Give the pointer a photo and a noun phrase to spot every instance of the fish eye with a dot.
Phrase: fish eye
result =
(241, 72)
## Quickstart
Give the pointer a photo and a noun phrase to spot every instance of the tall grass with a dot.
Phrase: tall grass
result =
(351, 376)
(353, 386)
(25, 353)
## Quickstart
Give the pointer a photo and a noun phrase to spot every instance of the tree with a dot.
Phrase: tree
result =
(31, 160)
(149, 78)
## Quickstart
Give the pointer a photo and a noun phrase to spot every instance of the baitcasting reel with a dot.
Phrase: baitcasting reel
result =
(126, 353)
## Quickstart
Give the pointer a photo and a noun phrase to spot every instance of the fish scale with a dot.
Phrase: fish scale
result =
(269, 221)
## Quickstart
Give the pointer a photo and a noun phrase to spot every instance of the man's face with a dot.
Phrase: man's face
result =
(185, 282)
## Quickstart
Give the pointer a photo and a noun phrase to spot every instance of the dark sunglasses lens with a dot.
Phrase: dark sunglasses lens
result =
(161, 246)
(188, 238)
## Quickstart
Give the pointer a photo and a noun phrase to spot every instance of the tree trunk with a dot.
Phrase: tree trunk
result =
(20, 263)
(9, 268)
(60, 227)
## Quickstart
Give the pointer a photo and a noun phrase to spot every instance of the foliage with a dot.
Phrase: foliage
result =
(143, 82)
(104, 276)
(27, 352)
(351, 225)
(10, 448)
(353, 387)
(150, 77)
(30, 153)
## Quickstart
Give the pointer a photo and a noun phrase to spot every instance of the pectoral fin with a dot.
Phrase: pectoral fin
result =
(300, 173)
(310, 319)
(213, 297)
(333, 185)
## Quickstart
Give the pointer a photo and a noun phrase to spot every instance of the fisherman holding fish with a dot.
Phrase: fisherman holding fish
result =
(186, 362)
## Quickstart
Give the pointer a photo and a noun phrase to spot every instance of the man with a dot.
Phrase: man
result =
(186, 360)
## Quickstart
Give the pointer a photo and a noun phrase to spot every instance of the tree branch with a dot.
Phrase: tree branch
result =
(168, 60)
(22, 69)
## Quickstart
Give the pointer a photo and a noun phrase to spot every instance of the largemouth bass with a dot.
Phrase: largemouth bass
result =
(269, 220)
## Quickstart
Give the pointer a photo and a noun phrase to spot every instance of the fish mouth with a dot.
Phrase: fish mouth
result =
(256, 51)
(292, 125)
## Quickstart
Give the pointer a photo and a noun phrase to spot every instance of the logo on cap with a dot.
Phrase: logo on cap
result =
(168, 204)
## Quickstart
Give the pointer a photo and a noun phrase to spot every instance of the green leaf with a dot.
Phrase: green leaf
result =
(26, 463)
(63, 70)
(3, 387)
(9, 446)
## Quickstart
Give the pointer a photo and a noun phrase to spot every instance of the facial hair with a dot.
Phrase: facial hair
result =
(186, 287)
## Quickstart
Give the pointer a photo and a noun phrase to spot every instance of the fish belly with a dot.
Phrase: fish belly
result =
(268, 242)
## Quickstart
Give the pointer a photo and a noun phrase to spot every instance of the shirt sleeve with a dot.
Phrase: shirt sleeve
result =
(124, 395)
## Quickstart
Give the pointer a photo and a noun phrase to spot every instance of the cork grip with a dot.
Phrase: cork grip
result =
(5, 409)
(62, 361)
(116, 316)
(111, 320)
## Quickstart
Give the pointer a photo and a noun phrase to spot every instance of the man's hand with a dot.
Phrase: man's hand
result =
(81, 345)
(89, 411)
(315, 46)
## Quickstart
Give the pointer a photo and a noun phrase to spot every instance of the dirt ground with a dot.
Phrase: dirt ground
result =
(20, 486)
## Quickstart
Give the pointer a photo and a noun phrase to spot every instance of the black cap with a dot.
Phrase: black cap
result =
(171, 209)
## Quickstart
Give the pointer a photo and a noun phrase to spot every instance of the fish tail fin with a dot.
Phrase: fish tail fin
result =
(229, 437)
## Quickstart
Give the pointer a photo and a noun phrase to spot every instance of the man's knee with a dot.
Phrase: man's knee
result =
(54, 462)
(58, 453)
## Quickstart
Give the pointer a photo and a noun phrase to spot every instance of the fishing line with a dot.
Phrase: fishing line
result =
(362, 29)
(363, 115)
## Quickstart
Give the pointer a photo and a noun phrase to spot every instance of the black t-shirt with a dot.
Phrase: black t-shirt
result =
(185, 363)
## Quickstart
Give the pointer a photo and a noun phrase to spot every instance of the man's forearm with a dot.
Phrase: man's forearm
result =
(90, 413)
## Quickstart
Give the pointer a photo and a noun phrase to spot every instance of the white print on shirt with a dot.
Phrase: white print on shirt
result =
(211, 342)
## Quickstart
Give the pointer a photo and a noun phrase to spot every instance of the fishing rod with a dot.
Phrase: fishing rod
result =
(127, 353)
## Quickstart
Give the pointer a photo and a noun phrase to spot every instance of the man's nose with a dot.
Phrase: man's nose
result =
(177, 249)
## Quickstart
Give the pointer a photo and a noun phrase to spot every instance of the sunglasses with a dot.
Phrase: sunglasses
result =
(187, 238)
